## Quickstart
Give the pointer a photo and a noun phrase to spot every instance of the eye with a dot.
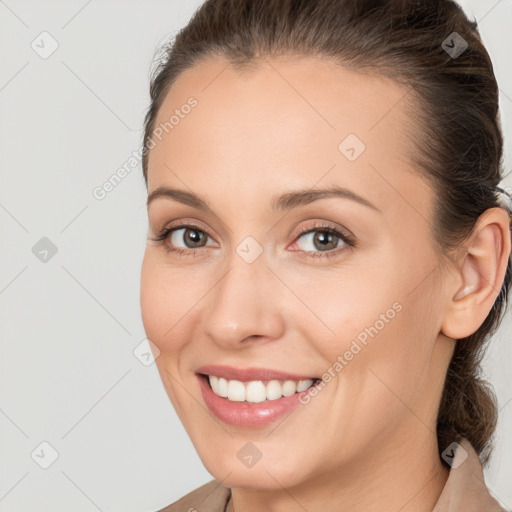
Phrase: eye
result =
(183, 239)
(191, 237)
(322, 241)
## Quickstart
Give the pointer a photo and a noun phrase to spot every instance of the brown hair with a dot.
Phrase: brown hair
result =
(454, 102)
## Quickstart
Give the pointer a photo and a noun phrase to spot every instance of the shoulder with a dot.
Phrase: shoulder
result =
(210, 497)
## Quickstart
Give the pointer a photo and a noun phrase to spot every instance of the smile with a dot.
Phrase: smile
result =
(256, 391)
(251, 397)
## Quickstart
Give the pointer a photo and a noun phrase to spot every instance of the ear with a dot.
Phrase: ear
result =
(480, 274)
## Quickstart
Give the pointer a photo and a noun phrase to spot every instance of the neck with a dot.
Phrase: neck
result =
(407, 476)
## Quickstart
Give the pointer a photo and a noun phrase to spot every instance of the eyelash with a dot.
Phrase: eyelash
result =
(324, 228)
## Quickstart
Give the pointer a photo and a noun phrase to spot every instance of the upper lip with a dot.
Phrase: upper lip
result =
(248, 374)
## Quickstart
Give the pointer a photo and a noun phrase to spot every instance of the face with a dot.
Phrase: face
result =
(271, 280)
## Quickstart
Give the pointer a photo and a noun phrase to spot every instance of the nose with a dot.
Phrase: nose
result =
(244, 306)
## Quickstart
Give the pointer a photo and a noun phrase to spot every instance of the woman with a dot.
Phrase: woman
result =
(328, 252)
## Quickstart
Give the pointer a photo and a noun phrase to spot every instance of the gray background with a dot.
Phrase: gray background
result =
(69, 325)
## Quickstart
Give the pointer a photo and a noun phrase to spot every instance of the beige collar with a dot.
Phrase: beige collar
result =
(465, 489)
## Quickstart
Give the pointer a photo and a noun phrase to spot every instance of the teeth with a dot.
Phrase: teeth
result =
(274, 390)
(236, 391)
(289, 387)
(256, 391)
(222, 387)
(302, 385)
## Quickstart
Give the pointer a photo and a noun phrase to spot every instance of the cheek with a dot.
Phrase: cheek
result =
(150, 294)
(171, 301)
(394, 362)
(368, 319)
(354, 303)
(161, 303)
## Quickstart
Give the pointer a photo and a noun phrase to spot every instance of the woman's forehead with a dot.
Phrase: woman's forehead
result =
(286, 123)
(324, 94)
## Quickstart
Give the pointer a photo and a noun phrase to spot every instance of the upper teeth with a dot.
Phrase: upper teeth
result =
(255, 390)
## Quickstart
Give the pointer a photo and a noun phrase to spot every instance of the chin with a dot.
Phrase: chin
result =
(233, 473)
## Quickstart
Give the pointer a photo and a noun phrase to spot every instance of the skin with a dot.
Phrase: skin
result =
(367, 441)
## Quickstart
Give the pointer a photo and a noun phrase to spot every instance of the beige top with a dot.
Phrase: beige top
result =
(464, 491)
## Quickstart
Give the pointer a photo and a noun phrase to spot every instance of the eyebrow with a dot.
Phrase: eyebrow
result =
(282, 202)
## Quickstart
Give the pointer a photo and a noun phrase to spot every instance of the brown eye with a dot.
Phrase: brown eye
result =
(185, 240)
(321, 240)
(191, 237)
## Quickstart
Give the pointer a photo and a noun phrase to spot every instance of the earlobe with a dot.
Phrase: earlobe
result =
(481, 272)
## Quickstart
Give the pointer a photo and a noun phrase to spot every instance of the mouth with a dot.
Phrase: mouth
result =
(251, 397)
(256, 391)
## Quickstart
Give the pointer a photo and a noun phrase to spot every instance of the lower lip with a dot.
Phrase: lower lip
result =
(246, 414)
